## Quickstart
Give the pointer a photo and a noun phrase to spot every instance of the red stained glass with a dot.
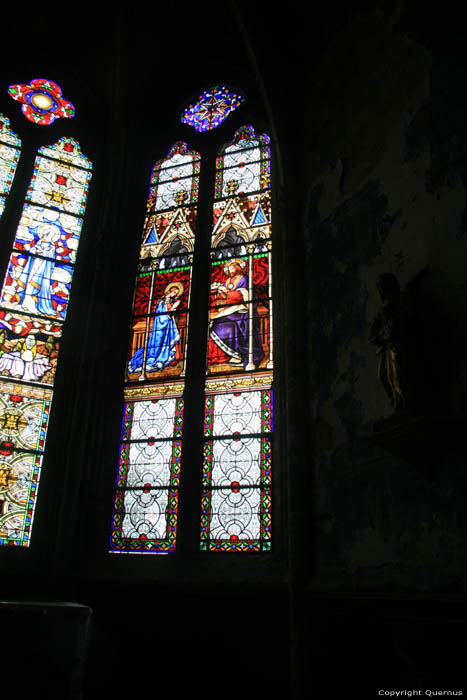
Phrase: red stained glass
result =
(6, 448)
(238, 423)
(42, 101)
(10, 146)
(34, 299)
(211, 108)
(146, 501)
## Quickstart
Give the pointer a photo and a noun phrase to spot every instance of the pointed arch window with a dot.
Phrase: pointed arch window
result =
(10, 148)
(33, 306)
(146, 498)
(236, 474)
(236, 499)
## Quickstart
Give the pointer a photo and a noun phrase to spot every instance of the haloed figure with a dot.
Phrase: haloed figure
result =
(161, 347)
(229, 326)
(25, 362)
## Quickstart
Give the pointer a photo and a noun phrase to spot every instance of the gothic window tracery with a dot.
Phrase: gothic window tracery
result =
(236, 471)
(146, 499)
(236, 498)
(10, 148)
(33, 307)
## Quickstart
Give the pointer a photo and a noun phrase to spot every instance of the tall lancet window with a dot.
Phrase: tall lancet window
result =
(236, 499)
(33, 307)
(146, 499)
(10, 147)
(235, 473)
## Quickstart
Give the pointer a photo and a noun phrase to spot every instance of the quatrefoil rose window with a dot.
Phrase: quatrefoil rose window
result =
(42, 101)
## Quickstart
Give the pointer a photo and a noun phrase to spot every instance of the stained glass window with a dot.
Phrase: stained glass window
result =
(33, 306)
(42, 101)
(211, 108)
(146, 498)
(236, 500)
(10, 146)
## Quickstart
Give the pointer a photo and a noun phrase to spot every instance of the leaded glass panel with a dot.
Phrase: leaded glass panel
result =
(48, 233)
(150, 419)
(23, 415)
(236, 502)
(146, 500)
(19, 478)
(211, 108)
(145, 514)
(59, 185)
(67, 150)
(243, 165)
(236, 461)
(235, 514)
(175, 180)
(42, 101)
(37, 284)
(149, 463)
(233, 413)
(236, 520)
(30, 348)
(33, 305)
(10, 147)
(144, 521)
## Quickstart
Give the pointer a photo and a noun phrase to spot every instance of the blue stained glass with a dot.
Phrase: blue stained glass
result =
(259, 218)
(33, 304)
(212, 108)
(10, 146)
(152, 237)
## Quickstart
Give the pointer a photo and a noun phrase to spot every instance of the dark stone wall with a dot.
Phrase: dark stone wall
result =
(384, 177)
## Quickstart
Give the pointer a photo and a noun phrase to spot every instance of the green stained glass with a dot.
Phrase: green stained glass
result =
(146, 498)
(24, 413)
(212, 107)
(10, 147)
(243, 164)
(41, 101)
(33, 306)
(236, 501)
(61, 178)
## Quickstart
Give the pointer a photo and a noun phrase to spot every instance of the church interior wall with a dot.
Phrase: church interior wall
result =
(372, 179)
(384, 184)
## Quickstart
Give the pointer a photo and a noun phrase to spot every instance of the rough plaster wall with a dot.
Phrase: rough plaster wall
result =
(385, 192)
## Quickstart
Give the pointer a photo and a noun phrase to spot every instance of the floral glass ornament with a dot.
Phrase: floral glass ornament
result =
(42, 101)
(211, 108)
